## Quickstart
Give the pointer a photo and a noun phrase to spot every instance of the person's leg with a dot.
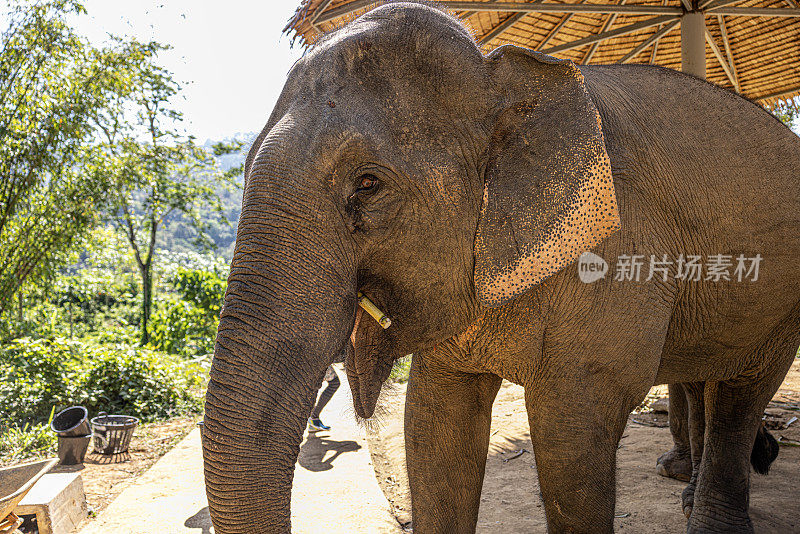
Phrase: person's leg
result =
(325, 396)
(314, 421)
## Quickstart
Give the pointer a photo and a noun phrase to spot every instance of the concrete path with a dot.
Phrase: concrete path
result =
(334, 486)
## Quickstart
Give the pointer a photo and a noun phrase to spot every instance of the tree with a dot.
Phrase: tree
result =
(56, 93)
(157, 172)
(787, 112)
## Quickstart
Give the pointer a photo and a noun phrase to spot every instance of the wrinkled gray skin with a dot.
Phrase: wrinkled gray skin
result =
(370, 176)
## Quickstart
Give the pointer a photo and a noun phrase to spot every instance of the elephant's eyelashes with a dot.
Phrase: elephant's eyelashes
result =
(367, 182)
(365, 186)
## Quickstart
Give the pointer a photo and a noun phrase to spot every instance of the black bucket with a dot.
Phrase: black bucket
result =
(72, 450)
(71, 423)
(112, 433)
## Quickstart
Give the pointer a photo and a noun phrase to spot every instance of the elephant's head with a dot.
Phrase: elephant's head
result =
(401, 163)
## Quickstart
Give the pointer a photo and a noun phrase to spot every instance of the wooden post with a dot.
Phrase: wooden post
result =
(693, 44)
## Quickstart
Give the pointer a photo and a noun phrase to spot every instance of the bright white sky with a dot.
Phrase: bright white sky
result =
(231, 53)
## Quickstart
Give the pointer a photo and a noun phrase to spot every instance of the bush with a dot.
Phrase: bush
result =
(37, 376)
(140, 382)
(183, 329)
(189, 326)
(401, 369)
(26, 443)
(205, 289)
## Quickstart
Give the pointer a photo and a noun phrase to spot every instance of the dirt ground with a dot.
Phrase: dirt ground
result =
(104, 477)
(646, 502)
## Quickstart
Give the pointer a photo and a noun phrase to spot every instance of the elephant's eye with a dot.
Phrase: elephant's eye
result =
(367, 182)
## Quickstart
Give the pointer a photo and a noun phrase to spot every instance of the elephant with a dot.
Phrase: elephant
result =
(477, 201)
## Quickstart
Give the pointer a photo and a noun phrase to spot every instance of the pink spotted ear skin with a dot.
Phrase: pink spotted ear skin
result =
(549, 194)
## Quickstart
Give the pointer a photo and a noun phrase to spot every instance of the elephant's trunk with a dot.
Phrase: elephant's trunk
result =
(288, 312)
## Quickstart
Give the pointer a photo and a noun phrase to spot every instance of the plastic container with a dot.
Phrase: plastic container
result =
(112, 433)
(72, 422)
(72, 449)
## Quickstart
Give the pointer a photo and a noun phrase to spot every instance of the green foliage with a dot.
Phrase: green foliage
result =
(56, 94)
(189, 326)
(401, 369)
(182, 329)
(37, 376)
(204, 289)
(787, 112)
(28, 442)
(140, 382)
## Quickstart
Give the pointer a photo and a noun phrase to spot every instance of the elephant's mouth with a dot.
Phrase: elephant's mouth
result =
(368, 363)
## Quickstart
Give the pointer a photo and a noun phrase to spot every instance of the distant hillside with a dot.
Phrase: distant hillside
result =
(179, 236)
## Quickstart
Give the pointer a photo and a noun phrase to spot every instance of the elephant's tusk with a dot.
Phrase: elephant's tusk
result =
(374, 311)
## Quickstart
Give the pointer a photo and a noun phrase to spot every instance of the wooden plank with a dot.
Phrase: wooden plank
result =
(502, 27)
(514, 7)
(58, 501)
(728, 54)
(592, 49)
(652, 40)
(623, 30)
(721, 59)
(757, 12)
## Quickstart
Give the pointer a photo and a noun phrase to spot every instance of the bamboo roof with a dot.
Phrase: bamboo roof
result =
(752, 46)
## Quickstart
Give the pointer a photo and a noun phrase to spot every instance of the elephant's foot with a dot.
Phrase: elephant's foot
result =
(687, 499)
(676, 463)
(715, 525)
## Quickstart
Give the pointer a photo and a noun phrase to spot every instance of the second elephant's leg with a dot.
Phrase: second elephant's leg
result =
(447, 421)
(677, 462)
(697, 430)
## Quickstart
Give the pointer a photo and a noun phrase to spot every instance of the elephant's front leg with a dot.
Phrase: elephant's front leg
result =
(575, 428)
(447, 422)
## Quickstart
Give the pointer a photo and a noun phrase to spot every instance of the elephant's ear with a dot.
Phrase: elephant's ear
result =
(548, 192)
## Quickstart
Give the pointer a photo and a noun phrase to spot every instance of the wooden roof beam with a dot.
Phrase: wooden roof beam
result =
(475, 7)
(502, 27)
(515, 7)
(609, 22)
(556, 28)
(655, 44)
(623, 30)
(780, 94)
(708, 5)
(650, 41)
(728, 54)
(722, 61)
(468, 14)
(756, 11)
(317, 12)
